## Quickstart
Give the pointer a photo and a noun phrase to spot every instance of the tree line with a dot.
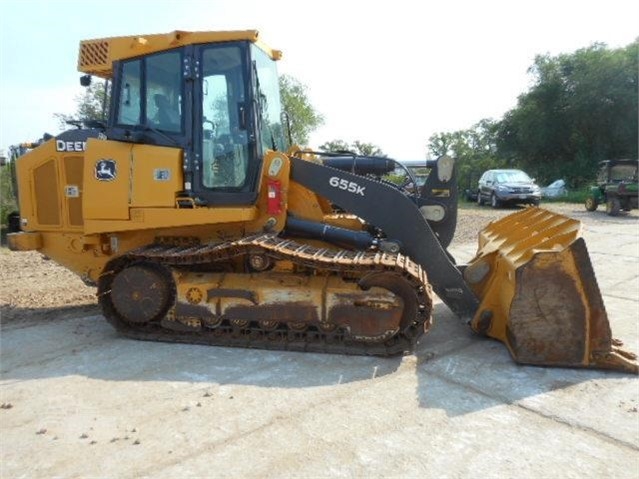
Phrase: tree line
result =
(581, 108)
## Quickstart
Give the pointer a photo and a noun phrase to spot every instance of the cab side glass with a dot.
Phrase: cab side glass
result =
(268, 102)
(129, 106)
(164, 92)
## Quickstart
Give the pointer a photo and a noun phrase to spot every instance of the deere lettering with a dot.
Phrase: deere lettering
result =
(70, 145)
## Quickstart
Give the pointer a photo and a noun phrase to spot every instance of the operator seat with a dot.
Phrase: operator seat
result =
(166, 117)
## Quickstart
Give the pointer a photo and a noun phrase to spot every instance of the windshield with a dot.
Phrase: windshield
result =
(268, 101)
(623, 172)
(514, 176)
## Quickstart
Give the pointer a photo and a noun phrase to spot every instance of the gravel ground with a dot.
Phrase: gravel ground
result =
(32, 287)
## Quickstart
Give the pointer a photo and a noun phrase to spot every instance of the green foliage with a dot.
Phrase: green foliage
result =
(357, 147)
(397, 179)
(368, 149)
(7, 199)
(578, 195)
(581, 109)
(89, 105)
(337, 146)
(474, 151)
(302, 116)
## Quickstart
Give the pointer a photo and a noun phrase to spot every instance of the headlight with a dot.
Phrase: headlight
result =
(502, 188)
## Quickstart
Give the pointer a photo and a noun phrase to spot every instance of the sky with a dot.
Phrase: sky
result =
(391, 73)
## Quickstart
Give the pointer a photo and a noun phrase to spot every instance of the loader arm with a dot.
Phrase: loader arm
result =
(400, 219)
(536, 290)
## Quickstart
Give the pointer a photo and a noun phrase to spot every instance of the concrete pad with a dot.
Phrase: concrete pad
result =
(87, 402)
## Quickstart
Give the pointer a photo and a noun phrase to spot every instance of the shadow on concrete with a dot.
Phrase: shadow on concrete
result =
(461, 372)
(64, 342)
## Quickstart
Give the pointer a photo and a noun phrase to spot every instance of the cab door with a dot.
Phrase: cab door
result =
(228, 165)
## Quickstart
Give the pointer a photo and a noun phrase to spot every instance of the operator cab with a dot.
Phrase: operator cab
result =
(218, 102)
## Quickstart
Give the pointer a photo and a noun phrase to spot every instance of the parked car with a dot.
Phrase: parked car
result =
(617, 187)
(500, 187)
(470, 193)
(555, 189)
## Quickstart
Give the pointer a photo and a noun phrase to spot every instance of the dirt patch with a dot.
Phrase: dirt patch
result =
(33, 287)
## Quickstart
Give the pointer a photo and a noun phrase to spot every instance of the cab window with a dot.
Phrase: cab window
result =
(150, 93)
(163, 92)
(268, 102)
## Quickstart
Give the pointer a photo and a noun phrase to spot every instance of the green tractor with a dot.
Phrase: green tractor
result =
(616, 187)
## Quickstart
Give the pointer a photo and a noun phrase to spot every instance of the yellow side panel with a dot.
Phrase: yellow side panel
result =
(37, 173)
(304, 203)
(157, 176)
(24, 241)
(107, 196)
(157, 218)
(45, 179)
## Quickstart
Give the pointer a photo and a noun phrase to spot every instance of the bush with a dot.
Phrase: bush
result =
(7, 200)
(573, 196)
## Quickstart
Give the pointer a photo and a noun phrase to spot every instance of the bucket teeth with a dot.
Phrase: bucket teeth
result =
(616, 359)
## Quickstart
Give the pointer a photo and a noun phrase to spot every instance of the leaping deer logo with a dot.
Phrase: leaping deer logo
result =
(105, 170)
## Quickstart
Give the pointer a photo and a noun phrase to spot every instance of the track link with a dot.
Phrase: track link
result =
(252, 335)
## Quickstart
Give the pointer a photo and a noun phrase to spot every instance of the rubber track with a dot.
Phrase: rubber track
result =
(337, 262)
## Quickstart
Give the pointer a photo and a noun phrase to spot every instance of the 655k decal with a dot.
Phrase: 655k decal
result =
(346, 185)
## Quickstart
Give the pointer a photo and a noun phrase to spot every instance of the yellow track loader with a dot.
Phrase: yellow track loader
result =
(199, 222)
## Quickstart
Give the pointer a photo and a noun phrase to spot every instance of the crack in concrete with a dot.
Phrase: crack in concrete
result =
(556, 419)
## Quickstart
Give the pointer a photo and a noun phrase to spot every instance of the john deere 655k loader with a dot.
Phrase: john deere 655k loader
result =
(200, 223)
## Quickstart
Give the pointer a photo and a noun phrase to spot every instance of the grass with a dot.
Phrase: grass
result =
(573, 196)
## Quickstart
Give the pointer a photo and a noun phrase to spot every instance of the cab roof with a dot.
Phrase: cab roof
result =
(96, 57)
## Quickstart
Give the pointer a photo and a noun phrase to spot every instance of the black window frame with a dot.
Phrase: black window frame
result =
(142, 132)
(228, 196)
